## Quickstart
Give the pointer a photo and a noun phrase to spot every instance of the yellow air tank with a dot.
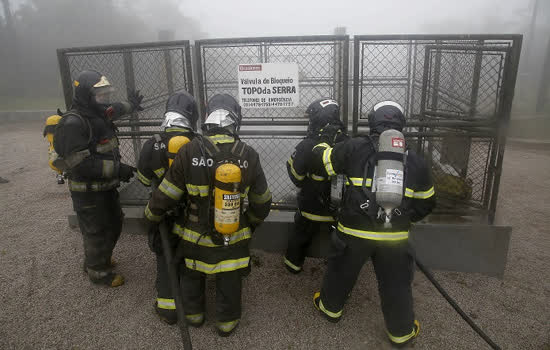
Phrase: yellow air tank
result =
(174, 146)
(227, 201)
(51, 122)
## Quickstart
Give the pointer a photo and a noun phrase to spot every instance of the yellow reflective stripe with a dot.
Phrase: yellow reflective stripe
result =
(227, 326)
(292, 266)
(159, 172)
(195, 318)
(176, 130)
(424, 194)
(245, 193)
(294, 172)
(150, 216)
(221, 139)
(322, 145)
(222, 266)
(108, 168)
(205, 240)
(314, 217)
(358, 181)
(404, 338)
(196, 190)
(167, 304)
(317, 177)
(170, 190)
(144, 180)
(377, 236)
(92, 186)
(327, 162)
(330, 313)
(419, 194)
(260, 198)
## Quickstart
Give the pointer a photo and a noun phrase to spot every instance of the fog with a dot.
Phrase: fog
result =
(36, 28)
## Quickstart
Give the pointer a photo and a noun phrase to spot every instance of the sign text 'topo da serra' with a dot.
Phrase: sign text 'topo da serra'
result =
(268, 85)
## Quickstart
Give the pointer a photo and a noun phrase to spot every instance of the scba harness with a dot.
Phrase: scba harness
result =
(222, 213)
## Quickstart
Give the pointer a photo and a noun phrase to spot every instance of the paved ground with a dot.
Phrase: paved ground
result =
(47, 302)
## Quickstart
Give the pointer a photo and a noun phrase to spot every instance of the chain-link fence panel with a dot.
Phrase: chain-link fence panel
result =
(323, 65)
(157, 70)
(456, 92)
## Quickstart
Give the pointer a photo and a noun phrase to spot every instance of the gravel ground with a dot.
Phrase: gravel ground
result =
(47, 301)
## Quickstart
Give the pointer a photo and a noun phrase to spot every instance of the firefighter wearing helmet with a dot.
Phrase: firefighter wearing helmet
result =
(388, 187)
(314, 203)
(214, 174)
(87, 150)
(156, 156)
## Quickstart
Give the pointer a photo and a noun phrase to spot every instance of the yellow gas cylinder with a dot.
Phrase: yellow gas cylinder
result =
(227, 201)
(51, 122)
(174, 146)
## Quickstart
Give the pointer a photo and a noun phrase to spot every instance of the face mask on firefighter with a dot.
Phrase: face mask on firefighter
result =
(102, 95)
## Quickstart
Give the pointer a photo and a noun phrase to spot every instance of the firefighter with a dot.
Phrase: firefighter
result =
(215, 172)
(314, 205)
(88, 152)
(363, 231)
(179, 123)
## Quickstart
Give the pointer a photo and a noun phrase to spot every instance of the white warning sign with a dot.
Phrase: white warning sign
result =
(268, 85)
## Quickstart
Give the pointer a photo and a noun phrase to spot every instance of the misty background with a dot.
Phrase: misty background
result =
(31, 31)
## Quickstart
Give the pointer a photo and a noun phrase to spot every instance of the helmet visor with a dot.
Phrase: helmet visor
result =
(102, 95)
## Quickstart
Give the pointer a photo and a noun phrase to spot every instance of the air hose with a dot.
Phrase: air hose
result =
(455, 306)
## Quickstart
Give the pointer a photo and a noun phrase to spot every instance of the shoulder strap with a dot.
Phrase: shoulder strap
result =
(84, 121)
(238, 148)
(210, 146)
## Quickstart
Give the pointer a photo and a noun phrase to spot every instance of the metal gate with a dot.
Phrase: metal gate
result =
(274, 132)
(156, 69)
(457, 92)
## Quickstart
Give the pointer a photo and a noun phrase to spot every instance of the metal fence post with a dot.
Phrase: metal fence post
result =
(356, 101)
(201, 89)
(66, 82)
(131, 86)
(344, 82)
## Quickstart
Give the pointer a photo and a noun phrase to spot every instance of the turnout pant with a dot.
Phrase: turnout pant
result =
(299, 240)
(165, 298)
(228, 293)
(393, 264)
(100, 219)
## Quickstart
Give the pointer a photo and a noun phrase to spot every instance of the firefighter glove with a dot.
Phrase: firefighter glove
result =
(135, 98)
(126, 172)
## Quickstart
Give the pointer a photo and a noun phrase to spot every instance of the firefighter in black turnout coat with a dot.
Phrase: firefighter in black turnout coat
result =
(88, 151)
(156, 155)
(362, 233)
(314, 207)
(216, 172)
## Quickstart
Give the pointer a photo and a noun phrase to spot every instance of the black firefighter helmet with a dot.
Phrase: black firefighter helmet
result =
(92, 90)
(322, 112)
(181, 111)
(386, 115)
